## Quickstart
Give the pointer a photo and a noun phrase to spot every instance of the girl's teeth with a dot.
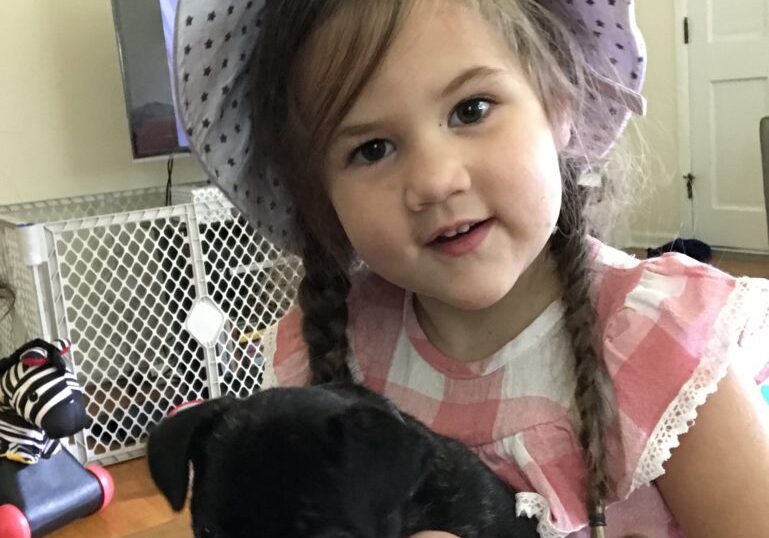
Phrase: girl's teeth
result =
(461, 230)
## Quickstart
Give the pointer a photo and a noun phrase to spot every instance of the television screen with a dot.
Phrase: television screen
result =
(144, 31)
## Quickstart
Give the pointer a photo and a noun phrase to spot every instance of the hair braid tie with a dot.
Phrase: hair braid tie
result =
(598, 522)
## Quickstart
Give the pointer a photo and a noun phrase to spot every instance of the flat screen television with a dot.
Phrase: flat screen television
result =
(144, 30)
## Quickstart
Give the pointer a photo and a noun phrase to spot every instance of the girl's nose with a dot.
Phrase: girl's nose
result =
(434, 176)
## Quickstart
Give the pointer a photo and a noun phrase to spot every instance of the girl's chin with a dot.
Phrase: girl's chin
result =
(478, 300)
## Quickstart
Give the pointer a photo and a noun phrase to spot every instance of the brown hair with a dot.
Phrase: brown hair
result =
(346, 40)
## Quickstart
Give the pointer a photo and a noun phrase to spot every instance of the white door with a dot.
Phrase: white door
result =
(729, 94)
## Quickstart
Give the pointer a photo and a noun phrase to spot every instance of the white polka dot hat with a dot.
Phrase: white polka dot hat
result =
(212, 49)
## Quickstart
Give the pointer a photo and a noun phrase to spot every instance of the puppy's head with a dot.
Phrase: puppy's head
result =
(289, 463)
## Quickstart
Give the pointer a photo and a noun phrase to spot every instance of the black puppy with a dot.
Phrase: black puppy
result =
(330, 461)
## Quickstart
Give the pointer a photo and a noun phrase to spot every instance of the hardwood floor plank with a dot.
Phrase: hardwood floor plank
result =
(177, 528)
(138, 510)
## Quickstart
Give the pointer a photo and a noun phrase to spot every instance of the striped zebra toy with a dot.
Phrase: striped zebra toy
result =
(40, 401)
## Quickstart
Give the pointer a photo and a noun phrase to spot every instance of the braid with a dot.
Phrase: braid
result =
(323, 297)
(593, 385)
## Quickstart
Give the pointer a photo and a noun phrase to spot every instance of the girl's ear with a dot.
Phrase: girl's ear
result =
(562, 130)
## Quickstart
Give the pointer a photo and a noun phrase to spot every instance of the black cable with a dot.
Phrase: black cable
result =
(169, 183)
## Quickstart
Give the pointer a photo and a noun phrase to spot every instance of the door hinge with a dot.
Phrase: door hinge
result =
(686, 30)
(689, 185)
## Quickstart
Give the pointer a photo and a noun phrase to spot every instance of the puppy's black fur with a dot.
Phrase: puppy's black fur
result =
(325, 462)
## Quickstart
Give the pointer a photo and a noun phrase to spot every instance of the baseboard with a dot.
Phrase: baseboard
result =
(644, 240)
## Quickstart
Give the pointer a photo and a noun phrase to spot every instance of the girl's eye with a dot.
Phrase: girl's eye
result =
(470, 111)
(372, 151)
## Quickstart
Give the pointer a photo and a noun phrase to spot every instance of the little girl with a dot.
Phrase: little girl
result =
(428, 161)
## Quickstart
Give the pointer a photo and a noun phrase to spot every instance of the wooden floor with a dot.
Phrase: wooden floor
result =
(139, 511)
(734, 263)
(742, 264)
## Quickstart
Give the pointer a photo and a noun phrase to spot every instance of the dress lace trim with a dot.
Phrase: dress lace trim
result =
(269, 346)
(682, 412)
(535, 505)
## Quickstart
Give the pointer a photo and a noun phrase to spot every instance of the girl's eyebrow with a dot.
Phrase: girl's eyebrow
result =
(352, 131)
(481, 71)
(477, 72)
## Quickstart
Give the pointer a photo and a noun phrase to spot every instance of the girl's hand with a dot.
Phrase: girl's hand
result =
(433, 534)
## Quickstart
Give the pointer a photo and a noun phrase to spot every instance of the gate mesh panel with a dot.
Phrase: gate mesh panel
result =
(126, 282)
(248, 280)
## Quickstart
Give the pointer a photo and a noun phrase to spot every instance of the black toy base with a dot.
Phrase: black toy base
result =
(50, 493)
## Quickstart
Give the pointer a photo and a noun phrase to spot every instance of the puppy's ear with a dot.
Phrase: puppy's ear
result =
(170, 444)
(384, 458)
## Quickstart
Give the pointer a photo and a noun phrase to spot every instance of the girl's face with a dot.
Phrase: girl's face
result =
(445, 174)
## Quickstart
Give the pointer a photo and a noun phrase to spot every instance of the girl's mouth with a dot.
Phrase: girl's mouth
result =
(463, 240)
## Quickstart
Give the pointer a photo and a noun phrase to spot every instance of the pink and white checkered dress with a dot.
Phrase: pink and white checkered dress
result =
(670, 327)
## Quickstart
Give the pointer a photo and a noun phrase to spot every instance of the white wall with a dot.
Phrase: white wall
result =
(63, 126)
